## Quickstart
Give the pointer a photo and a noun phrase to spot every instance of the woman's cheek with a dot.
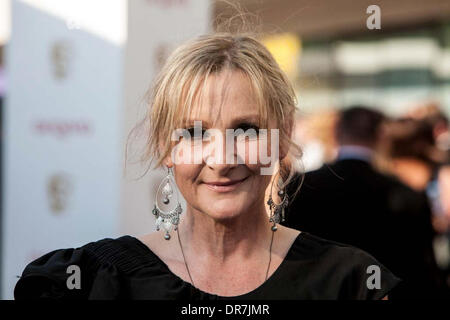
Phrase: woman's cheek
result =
(187, 152)
(247, 151)
(256, 152)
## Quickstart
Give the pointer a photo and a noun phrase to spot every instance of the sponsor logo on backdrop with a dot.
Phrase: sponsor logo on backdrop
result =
(63, 128)
(61, 56)
(59, 190)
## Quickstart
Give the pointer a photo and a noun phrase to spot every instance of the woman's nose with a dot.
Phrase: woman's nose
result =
(220, 155)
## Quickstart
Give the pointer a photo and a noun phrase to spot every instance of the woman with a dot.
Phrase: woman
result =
(225, 246)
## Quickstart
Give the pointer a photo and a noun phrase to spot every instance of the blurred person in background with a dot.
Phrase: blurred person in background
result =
(439, 186)
(436, 122)
(432, 114)
(315, 134)
(412, 153)
(349, 201)
(415, 158)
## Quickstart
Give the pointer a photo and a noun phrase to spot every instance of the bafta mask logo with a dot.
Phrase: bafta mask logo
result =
(59, 188)
(161, 53)
(61, 54)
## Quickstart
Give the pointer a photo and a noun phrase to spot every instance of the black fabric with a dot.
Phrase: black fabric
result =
(125, 268)
(350, 202)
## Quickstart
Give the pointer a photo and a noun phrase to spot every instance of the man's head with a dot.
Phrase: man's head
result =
(359, 125)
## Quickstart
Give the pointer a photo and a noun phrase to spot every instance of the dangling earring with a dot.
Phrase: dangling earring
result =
(277, 210)
(171, 218)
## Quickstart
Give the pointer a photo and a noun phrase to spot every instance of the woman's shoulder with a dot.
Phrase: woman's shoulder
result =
(350, 271)
(310, 246)
(58, 273)
(126, 253)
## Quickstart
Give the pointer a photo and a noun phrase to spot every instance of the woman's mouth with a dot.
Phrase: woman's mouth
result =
(224, 186)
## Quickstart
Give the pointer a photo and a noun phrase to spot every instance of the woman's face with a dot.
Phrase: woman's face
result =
(214, 186)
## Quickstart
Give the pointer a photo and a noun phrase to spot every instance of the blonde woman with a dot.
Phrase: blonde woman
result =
(222, 245)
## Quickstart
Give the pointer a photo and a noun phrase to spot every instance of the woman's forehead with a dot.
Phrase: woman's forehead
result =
(225, 115)
(225, 98)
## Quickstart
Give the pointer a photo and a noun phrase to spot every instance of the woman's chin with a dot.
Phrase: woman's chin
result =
(224, 213)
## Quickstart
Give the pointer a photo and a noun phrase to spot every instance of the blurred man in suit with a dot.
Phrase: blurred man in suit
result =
(349, 201)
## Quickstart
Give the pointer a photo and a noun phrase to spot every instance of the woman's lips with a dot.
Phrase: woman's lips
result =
(224, 186)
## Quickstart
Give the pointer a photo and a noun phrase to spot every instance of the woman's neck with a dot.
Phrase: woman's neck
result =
(225, 240)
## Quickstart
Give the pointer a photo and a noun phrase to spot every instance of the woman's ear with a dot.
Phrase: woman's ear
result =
(168, 161)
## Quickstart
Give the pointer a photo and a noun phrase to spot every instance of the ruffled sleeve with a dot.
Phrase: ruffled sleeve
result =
(53, 275)
(47, 276)
(366, 278)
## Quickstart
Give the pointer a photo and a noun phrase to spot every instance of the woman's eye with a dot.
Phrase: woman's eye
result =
(248, 130)
(193, 131)
(244, 130)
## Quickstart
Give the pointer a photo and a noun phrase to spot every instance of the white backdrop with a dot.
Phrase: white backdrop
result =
(77, 71)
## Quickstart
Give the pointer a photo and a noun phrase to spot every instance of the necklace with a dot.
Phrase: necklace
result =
(187, 268)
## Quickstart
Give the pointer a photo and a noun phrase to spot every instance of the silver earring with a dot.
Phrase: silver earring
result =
(171, 218)
(277, 210)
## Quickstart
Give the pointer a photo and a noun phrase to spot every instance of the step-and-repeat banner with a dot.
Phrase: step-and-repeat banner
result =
(76, 72)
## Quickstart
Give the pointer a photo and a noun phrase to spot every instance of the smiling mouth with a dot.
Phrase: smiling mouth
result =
(226, 186)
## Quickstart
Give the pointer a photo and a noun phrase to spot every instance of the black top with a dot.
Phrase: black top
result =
(348, 201)
(125, 268)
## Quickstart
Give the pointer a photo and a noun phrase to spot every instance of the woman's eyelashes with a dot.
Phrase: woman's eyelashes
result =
(244, 129)
(249, 126)
(195, 133)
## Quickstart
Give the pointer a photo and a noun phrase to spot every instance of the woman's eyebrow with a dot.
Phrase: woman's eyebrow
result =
(253, 119)
(192, 122)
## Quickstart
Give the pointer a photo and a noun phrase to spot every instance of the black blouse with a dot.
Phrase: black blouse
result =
(125, 268)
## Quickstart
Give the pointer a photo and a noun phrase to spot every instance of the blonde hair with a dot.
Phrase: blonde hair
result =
(182, 78)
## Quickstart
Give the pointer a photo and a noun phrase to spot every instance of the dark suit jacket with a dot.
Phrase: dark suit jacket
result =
(350, 202)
